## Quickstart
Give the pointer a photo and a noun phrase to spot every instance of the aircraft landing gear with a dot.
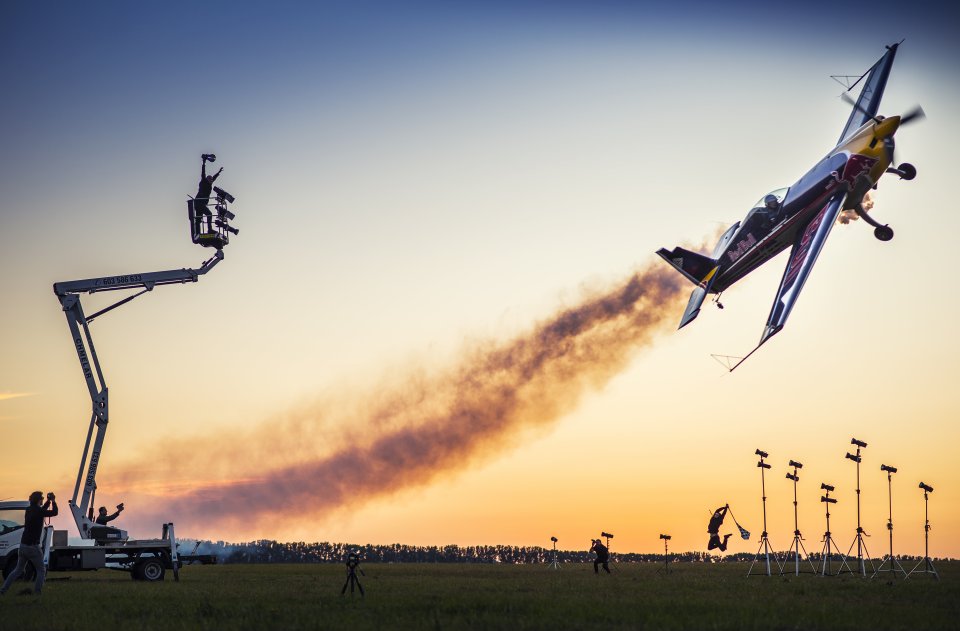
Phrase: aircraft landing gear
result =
(884, 233)
(906, 171)
(880, 231)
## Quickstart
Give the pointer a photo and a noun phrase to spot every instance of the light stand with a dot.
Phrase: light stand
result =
(555, 564)
(828, 541)
(926, 562)
(666, 556)
(894, 564)
(858, 540)
(797, 544)
(606, 535)
(764, 541)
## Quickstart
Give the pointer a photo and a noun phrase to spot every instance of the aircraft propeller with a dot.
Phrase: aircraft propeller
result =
(913, 115)
(916, 113)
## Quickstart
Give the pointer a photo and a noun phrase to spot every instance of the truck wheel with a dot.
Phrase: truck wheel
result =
(150, 570)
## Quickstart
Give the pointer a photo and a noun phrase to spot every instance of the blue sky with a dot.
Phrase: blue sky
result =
(415, 177)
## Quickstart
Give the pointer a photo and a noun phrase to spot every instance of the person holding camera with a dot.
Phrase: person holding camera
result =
(103, 519)
(30, 550)
(713, 529)
(205, 188)
(603, 556)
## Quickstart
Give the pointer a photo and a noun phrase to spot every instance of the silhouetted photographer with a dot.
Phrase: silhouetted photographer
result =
(713, 528)
(353, 566)
(206, 186)
(30, 550)
(603, 556)
(103, 518)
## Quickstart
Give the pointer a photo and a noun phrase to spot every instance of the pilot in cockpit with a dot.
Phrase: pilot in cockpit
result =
(771, 209)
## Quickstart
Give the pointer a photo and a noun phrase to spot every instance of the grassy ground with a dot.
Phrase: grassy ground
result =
(694, 596)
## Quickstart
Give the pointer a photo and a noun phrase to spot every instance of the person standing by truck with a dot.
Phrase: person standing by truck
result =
(30, 550)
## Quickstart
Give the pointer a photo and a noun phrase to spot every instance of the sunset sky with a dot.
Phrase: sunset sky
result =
(419, 187)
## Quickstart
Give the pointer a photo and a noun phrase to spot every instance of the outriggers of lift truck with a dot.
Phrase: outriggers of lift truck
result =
(145, 559)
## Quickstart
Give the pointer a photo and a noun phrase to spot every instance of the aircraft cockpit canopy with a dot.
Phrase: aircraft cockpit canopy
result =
(763, 204)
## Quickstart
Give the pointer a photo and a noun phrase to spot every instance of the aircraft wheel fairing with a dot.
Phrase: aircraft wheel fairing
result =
(907, 171)
(884, 233)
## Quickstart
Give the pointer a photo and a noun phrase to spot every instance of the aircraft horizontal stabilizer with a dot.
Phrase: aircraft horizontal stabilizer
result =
(698, 268)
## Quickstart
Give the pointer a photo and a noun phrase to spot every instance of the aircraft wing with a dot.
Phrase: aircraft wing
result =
(804, 254)
(869, 102)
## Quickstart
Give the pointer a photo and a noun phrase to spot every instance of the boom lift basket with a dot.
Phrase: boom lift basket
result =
(210, 229)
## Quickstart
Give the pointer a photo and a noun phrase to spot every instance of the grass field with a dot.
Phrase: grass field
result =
(451, 596)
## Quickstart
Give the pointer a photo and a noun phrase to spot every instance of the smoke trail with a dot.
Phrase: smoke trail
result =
(848, 216)
(432, 425)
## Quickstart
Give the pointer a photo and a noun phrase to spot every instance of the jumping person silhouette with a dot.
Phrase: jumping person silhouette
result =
(713, 528)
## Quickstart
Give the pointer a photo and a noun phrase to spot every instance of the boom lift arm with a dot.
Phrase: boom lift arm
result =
(69, 295)
(206, 229)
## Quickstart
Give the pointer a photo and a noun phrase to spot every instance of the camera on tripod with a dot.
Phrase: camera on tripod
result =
(762, 454)
(795, 464)
(858, 443)
(853, 457)
(826, 487)
(606, 534)
(828, 500)
(926, 488)
(553, 539)
(665, 537)
(795, 478)
(888, 468)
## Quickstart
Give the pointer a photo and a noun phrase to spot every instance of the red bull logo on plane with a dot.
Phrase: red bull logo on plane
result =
(741, 248)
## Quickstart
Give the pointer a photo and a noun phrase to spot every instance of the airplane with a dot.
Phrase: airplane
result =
(802, 215)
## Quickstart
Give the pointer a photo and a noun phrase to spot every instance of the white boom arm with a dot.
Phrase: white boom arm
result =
(69, 295)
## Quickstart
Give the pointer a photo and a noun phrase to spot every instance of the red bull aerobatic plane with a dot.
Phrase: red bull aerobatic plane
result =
(802, 215)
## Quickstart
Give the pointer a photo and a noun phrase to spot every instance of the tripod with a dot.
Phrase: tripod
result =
(926, 562)
(555, 564)
(797, 544)
(666, 556)
(828, 541)
(894, 564)
(353, 564)
(858, 539)
(764, 541)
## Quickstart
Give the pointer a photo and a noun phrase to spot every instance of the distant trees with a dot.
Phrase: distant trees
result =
(268, 551)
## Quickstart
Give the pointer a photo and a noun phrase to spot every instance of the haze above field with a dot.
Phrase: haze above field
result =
(419, 185)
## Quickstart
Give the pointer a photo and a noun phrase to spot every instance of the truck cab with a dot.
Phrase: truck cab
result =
(11, 529)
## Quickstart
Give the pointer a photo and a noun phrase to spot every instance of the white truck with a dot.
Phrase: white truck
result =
(104, 546)
(145, 559)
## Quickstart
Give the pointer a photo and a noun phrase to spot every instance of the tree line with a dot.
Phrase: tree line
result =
(269, 551)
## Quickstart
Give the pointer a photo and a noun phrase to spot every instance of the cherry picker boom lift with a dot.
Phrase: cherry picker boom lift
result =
(146, 559)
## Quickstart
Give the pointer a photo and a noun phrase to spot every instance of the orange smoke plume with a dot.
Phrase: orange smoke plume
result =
(405, 438)
(847, 216)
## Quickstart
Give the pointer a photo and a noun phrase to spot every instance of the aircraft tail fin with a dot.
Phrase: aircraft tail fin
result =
(698, 269)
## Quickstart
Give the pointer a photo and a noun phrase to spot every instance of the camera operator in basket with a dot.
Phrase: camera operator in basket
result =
(103, 518)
